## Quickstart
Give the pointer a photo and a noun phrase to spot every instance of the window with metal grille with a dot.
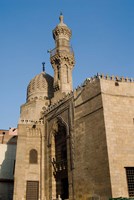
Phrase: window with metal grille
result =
(33, 157)
(130, 180)
(32, 192)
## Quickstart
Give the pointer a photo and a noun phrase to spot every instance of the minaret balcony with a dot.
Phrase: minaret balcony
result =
(61, 50)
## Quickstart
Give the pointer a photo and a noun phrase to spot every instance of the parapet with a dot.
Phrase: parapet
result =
(115, 78)
(74, 93)
(26, 121)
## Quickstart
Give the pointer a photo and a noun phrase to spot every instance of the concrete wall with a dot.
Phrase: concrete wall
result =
(6, 191)
(7, 164)
(7, 161)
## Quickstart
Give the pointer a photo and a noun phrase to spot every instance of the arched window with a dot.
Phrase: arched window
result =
(33, 156)
(58, 72)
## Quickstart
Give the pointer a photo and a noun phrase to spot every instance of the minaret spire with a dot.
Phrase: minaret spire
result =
(61, 17)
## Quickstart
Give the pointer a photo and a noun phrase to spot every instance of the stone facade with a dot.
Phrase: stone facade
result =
(76, 144)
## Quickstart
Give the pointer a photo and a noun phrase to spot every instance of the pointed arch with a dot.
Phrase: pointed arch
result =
(59, 155)
(67, 73)
(62, 121)
(58, 121)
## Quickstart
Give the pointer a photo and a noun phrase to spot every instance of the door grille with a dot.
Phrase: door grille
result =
(32, 192)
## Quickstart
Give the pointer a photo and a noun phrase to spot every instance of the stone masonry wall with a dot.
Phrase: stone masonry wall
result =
(118, 103)
(29, 137)
(91, 170)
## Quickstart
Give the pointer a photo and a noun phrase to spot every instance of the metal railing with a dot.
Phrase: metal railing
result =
(56, 50)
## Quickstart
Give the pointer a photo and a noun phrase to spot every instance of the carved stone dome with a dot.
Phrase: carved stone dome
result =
(40, 87)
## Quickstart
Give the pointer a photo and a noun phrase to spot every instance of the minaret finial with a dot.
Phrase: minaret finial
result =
(43, 66)
(61, 17)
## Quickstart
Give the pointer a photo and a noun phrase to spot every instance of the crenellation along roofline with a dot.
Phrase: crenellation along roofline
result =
(88, 80)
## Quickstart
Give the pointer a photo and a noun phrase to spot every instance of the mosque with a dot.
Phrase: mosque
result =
(75, 144)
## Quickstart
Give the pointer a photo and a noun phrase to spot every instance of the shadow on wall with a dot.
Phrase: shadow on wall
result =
(7, 166)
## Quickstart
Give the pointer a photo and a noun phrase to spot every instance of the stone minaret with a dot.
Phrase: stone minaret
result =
(62, 59)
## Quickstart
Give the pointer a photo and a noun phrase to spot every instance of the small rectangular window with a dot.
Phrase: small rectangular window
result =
(130, 180)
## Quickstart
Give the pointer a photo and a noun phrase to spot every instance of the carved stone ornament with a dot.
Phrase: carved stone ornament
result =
(55, 126)
(63, 58)
(61, 30)
(33, 132)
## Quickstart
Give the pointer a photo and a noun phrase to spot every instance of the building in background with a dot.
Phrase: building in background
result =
(75, 144)
(8, 142)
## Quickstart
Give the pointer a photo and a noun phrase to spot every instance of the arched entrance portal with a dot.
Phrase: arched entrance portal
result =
(60, 161)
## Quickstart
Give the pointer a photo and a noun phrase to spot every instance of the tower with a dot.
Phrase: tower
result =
(62, 58)
(30, 146)
(43, 158)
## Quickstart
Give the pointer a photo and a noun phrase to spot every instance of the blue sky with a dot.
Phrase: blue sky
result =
(103, 41)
